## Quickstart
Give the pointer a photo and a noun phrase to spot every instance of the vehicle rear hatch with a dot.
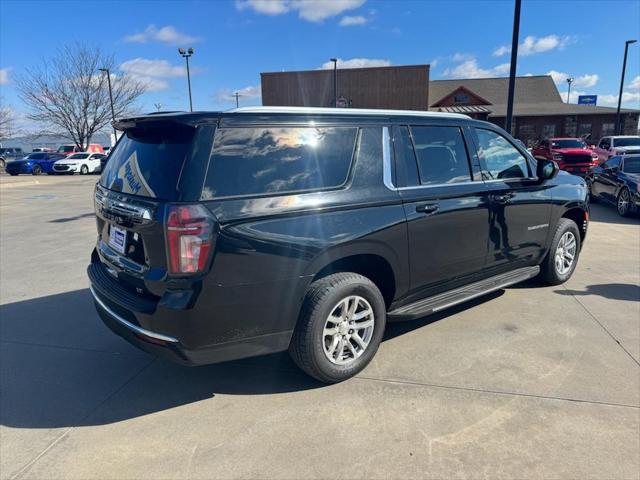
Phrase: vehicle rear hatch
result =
(149, 173)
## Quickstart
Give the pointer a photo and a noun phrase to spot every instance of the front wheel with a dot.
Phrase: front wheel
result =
(84, 170)
(36, 170)
(340, 327)
(624, 203)
(560, 262)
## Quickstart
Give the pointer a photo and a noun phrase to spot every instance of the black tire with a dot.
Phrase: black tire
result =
(623, 202)
(2, 163)
(13, 174)
(307, 344)
(36, 170)
(84, 170)
(549, 272)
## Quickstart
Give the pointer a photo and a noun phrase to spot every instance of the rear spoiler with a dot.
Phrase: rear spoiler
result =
(159, 119)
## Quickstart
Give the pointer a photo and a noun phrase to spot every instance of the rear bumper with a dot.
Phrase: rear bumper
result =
(135, 320)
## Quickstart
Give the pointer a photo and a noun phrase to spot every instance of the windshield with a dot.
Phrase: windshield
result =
(632, 164)
(569, 143)
(78, 155)
(627, 142)
(66, 148)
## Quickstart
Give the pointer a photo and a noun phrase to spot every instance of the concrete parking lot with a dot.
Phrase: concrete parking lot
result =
(533, 381)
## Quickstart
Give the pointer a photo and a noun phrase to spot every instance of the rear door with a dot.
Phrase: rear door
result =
(446, 208)
(520, 206)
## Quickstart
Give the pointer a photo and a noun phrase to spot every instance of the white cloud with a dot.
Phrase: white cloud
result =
(226, 95)
(357, 63)
(153, 73)
(310, 10)
(461, 57)
(349, 21)
(4, 75)
(434, 63)
(629, 99)
(635, 83)
(582, 81)
(532, 45)
(470, 69)
(167, 35)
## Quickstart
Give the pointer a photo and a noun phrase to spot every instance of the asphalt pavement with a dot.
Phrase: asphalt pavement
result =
(532, 381)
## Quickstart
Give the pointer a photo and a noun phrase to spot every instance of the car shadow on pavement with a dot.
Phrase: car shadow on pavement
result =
(613, 291)
(61, 367)
(604, 213)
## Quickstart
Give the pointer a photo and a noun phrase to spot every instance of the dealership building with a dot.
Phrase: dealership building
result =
(539, 111)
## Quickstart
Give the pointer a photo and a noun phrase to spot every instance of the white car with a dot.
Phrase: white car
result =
(82, 163)
(617, 145)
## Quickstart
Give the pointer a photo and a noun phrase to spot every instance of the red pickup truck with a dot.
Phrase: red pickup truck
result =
(571, 154)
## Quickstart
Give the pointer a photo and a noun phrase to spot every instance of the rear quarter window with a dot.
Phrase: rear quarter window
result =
(247, 161)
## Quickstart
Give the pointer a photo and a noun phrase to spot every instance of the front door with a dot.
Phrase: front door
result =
(520, 208)
(447, 210)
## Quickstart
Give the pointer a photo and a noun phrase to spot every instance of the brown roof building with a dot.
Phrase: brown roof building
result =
(539, 111)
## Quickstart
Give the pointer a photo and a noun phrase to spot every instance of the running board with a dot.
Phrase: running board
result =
(448, 299)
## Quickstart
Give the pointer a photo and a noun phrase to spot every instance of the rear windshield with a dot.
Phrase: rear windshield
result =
(78, 155)
(277, 160)
(147, 162)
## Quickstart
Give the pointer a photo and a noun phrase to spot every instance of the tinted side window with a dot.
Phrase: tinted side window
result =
(501, 159)
(260, 160)
(406, 166)
(612, 163)
(442, 155)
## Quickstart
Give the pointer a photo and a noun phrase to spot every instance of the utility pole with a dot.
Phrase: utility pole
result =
(335, 81)
(186, 54)
(624, 67)
(237, 95)
(113, 114)
(512, 70)
(569, 82)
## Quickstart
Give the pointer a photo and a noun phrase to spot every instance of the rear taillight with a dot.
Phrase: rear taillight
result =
(594, 158)
(189, 238)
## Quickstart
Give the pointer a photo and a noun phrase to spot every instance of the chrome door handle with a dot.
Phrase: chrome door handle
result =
(505, 198)
(427, 208)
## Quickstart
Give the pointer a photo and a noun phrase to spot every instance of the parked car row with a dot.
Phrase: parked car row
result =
(57, 163)
(617, 181)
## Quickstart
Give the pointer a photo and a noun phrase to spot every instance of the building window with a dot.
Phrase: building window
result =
(608, 129)
(461, 98)
(548, 131)
(526, 132)
(584, 129)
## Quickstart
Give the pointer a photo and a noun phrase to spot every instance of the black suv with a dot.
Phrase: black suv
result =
(9, 153)
(229, 235)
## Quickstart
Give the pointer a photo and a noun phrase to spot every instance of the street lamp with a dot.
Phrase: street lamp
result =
(624, 67)
(186, 54)
(569, 81)
(113, 114)
(335, 81)
(237, 95)
(512, 67)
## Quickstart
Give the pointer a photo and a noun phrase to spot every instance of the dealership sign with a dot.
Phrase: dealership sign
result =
(587, 99)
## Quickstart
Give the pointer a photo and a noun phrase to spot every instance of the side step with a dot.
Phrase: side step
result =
(448, 299)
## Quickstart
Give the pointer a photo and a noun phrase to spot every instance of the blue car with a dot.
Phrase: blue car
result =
(617, 181)
(34, 163)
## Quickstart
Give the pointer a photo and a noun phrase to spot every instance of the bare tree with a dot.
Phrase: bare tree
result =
(69, 94)
(6, 120)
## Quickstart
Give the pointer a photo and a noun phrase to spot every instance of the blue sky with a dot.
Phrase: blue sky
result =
(235, 40)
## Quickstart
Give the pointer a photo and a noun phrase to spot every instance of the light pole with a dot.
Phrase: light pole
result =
(186, 54)
(512, 69)
(113, 113)
(158, 106)
(335, 81)
(237, 95)
(569, 82)
(624, 67)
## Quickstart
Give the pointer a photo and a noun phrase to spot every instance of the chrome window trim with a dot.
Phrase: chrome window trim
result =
(129, 325)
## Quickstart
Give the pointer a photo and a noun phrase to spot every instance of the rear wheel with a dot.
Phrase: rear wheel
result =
(84, 170)
(560, 262)
(340, 327)
(624, 202)
(36, 170)
(2, 163)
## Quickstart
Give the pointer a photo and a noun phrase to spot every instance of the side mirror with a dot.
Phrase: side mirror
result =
(547, 169)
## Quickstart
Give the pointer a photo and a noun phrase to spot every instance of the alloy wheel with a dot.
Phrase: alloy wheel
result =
(623, 202)
(348, 330)
(565, 253)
